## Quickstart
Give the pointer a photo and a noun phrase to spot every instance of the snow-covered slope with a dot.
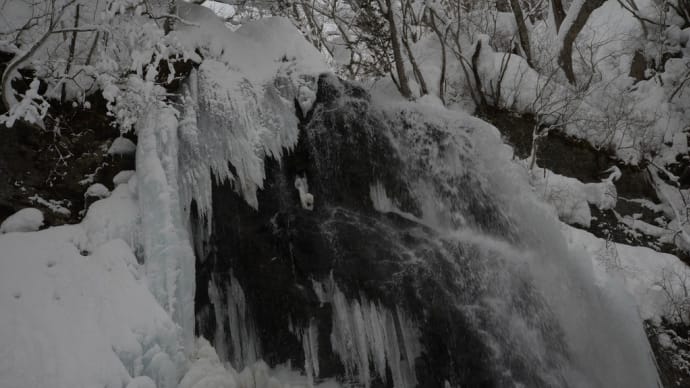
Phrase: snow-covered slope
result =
(76, 314)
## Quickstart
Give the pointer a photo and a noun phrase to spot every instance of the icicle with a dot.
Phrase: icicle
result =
(169, 258)
(243, 335)
(310, 346)
(368, 338)
(237, 124)
(220, 313)
(233, 320)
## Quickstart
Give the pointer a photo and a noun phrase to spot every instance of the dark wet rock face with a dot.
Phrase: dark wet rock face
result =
(51, 168)
(376, 299)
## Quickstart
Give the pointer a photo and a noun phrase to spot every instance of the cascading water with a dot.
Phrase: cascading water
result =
(423, 262)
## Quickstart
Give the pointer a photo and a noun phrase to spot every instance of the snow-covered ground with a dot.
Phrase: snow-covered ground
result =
(76, 310)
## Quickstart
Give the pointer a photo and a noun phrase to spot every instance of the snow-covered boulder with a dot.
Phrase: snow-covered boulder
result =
(25, 220)
(95, 192)
(121, 147)
(113, 217)
(570, 197)
(122, 177)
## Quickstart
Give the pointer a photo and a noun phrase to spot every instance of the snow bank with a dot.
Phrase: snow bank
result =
(115, 217)
(122, 146)
(122, 177)
(77, 321)
(25, 220)
(97, 190)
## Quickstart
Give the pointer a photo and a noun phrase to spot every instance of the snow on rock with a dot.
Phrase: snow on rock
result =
(168, 254)
(257, 49)
(141, 382)
(97, 190)
(305, 198)
(122, 177)
(70, 320)
(676, 200)
(53, 205)
(122, 146)
(240, 103)
(572, 198)
(114, 217)
(25, 220)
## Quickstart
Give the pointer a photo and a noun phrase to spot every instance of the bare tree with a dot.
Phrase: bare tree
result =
(558, 13)
(403, 83)
(675, 284)
(522, 30)
(574, 22)
(52, 21)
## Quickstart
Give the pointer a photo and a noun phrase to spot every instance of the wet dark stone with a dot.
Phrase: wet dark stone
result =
(638, 67)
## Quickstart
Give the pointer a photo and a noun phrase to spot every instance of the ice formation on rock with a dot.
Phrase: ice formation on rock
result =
(368, 338)
(234, 325)
(168, 254)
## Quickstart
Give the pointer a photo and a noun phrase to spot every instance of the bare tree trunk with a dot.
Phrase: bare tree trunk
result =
(169, 24)
(558, 13)
(92, 49)
(570, 32)
(70, 58)
(477, 80)
(403, 83)
(442, 40)
(522, 30)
